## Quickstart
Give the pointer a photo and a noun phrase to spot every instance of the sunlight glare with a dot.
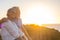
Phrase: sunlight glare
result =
(39, 15)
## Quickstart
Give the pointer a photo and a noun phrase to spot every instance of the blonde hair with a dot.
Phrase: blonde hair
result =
(13, 9)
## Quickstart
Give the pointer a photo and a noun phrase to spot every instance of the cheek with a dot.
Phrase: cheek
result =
(12, 16)
(17, 15)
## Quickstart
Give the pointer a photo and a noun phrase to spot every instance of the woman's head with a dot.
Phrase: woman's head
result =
(13, 12)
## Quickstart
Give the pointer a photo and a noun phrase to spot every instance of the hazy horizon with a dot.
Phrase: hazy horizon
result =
(34, 11)
(48, 10)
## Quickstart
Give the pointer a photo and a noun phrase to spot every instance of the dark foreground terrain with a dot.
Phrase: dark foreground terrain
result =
(37, 32)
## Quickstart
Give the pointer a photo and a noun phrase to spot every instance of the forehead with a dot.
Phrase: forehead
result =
(13, 10)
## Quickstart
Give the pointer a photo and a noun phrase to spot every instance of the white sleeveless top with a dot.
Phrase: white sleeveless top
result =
(10, 30)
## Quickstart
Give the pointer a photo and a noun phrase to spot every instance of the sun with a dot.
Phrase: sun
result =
(39, 14)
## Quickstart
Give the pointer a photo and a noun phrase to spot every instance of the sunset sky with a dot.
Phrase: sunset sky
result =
(34, 11)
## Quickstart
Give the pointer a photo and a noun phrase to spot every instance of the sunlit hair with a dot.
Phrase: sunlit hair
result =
(13, 9)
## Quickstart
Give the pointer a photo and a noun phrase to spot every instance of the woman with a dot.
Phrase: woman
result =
(11, 29)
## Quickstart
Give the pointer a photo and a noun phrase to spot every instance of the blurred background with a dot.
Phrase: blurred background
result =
(41, 18)
(34, 11)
